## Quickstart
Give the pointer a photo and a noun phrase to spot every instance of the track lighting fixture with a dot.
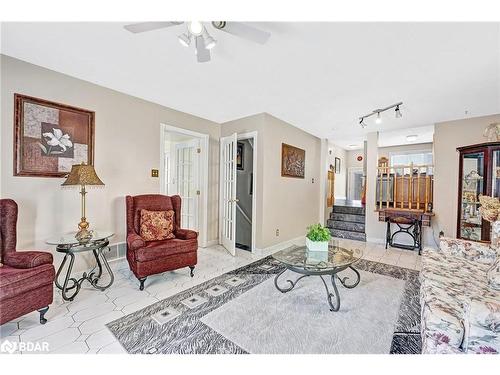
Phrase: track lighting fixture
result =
(398, 112)
(196, 27)
(377, 112)
(185, 39)
(209, 41)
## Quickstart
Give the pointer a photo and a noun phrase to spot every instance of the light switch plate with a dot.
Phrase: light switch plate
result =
(154, 173)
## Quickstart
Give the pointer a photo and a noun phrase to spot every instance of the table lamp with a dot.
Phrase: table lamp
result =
(83, 175)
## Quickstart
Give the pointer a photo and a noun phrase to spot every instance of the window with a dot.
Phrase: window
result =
(409, 157)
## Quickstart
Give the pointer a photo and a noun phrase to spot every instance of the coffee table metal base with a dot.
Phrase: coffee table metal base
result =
(332, 298)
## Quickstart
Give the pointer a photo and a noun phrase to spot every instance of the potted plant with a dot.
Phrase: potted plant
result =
(317, 238)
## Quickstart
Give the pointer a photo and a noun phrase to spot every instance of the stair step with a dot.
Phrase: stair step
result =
(348, 234)
(347, 217)
(349, 210)
(346, 225)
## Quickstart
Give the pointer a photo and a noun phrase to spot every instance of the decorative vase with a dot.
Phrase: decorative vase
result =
(316, 245)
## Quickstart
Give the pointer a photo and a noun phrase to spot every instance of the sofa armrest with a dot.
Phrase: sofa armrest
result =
(482, 326)
(469, 250)
(27, 259)
(134, 241)
(186, 234)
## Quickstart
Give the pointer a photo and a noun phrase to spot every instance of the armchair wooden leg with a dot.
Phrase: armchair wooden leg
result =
(42, 314)
(192, 270)
(142, 280)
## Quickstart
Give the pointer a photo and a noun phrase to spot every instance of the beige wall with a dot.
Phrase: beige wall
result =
(287, 204)
(386, 151)
(127, 146)
(447, 137)
(340, 178)
(351, 159)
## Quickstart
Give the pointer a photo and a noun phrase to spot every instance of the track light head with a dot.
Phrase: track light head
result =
(398, 112)
(185, 39)
(362, 123)
(378, 120)
(209, 42)
(195, 27)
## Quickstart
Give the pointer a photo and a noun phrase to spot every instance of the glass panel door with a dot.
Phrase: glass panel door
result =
(472, 186)
(495, 173)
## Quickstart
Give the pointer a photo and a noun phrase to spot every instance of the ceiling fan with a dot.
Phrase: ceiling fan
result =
(197, 31)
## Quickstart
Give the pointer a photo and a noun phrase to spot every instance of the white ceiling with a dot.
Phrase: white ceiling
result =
(318, 76)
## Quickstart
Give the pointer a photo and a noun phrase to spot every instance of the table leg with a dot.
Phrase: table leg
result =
(95, 279)
(76, 283)
(292, 283)
(336, 306)
(344, 279)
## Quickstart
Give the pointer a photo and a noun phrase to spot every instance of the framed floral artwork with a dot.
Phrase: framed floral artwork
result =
(50, 137)
(293, 161)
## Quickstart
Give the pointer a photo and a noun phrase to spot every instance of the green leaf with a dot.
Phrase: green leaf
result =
(44, 149)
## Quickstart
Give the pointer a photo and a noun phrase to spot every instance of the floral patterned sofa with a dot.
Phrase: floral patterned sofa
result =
(460, 310)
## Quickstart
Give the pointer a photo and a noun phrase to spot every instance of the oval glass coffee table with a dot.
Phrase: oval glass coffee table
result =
(315, 263)
(69, 245)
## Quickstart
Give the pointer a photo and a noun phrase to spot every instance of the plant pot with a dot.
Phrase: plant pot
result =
(316, 245)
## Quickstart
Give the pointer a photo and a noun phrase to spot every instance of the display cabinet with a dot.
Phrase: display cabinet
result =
(479, 174)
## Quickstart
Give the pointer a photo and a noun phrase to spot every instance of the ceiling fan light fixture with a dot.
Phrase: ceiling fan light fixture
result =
(185, 39)
(195, 27)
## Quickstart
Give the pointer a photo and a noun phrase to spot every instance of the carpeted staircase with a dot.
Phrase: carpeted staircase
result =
(347, 222)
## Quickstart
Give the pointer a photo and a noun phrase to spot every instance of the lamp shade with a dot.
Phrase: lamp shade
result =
(82, 174)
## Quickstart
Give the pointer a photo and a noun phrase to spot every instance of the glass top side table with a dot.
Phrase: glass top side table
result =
(69, 245)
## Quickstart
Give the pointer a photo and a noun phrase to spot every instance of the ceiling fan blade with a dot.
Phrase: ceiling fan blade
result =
(148, 26)
(202, 54)
(244, 31)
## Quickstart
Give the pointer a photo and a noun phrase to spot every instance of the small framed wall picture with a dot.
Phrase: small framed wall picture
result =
(240, 149)
(293, 161)
(337, 165)
(50, 137)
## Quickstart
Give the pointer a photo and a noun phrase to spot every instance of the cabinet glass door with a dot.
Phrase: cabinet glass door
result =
(495, 173)
(472, 186)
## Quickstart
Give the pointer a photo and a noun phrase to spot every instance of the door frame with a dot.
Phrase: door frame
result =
(203, 172)
(350, 171)
(252, 135)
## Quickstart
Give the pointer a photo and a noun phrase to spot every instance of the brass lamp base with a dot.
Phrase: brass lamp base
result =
(83, 234)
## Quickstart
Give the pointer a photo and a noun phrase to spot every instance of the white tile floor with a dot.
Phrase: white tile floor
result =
(79, 326)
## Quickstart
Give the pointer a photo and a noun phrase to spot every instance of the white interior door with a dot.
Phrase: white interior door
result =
(228, 193)
(186, 181)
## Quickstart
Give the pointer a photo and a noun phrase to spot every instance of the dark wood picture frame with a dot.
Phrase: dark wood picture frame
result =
(337, 165)
(293, 161)
(240, 153)
(19, 133)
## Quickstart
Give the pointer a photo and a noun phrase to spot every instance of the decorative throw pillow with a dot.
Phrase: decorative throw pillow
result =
(494, 275)
(157, 225)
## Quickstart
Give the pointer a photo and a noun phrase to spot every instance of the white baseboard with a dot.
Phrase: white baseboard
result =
(375, 240)
(211, 243)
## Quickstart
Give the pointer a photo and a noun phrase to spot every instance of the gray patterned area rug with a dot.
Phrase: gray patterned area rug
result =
(242, 312)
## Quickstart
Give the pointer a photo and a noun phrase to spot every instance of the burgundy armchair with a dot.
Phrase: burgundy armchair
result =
(151, 257)
(26, 277)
